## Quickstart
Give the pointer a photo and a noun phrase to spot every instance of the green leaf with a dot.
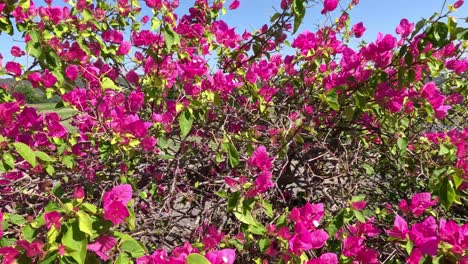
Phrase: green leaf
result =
(368, 168)
(26, 153)
(462, 33)
(233, 155)
(359, 216)
(263, 244)
(7, 242)
(75, 242)
(108, 83)
(443, 150)
(90, 208)
(268, 208)
(257, 229)
(437, 34)
(49, 258)
(447, 192)
(332, 100)
(402, 143)
(418, 27)
(299, 13)
(85, 223)
(185, 123)
(196, 258)
(170, 37)
(409, 246)
(68, 161)
(50, 170)
(452, 27)
(123, 259)
(29, 233)
(25, 4)
(133, 247)
(52, 234)
(87, 15)
(457, 181)
(358, 198)
(9, 160)
(42, 156)
(16, 219)
(233, 200)
(6, 25)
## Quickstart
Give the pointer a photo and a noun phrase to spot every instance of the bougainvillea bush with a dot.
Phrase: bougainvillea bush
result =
(192, 142)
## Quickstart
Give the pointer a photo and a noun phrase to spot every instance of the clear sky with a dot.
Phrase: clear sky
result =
(377, 16)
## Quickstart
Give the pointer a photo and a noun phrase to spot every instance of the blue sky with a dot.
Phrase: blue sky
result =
(377, 16)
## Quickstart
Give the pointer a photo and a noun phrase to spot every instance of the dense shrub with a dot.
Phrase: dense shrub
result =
(330, 154)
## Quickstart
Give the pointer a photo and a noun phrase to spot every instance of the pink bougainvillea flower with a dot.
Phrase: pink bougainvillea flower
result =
(385, 42)
(234, 4)
(102, 246)
(359, 206)
(120, 193)
(132, 77)
(71, 72)
(13, 67)
(415, 257)
(400, 228)
(405, 28)
(224, 256)
(17, 52)
(326, 258)
(136, 100)
(458, 3)
(263, 181)
(454, 234)
(158, 256)
(212, 238)
(148, 143)
(115, 201)
(367, 255)
(267, 93)
(55, 129)
(430, 90)
(225, 35)
(310, 214)
(260, 159)
(116, 212)
(48, 79)
(1, 224)
(329, 5)
(304, 239)
(154, 3)
(53, 219)
(61, 250)
(9, 255)
(78, 192)
(436, 99)
(358, 30)
(403, 206)
(424, 236)
(113, 36)
(34, 78)
(352, 245)
(33, 249)
(368, 228)
(124, 48)
(420, 202)
(145, 19)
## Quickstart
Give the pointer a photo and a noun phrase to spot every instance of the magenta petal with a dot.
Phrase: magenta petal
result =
(102, 246)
